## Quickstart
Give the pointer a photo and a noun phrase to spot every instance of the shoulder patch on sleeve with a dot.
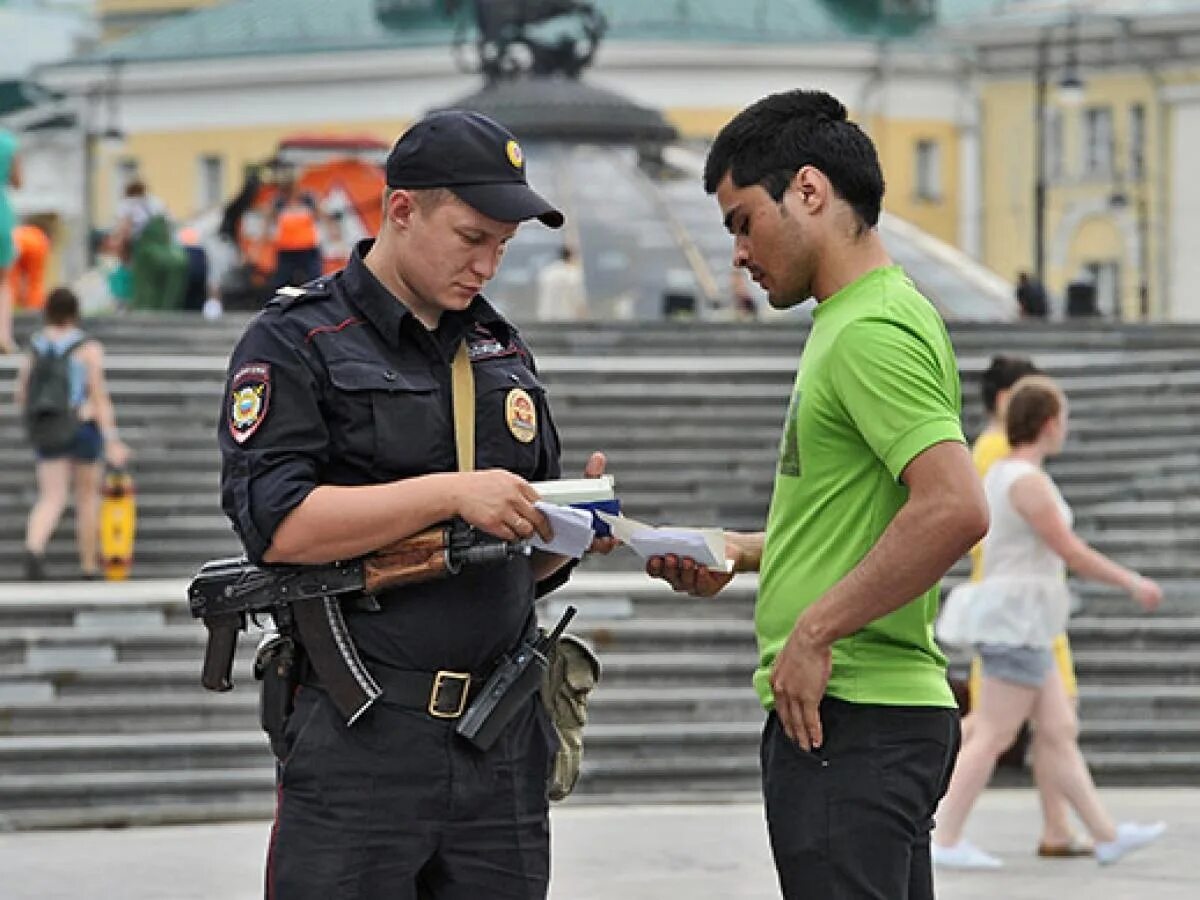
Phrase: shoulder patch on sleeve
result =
(250, 397)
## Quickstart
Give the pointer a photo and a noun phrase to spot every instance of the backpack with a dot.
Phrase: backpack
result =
(50, 419)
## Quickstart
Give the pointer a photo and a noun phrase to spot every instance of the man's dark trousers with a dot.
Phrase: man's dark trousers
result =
(399, 807)
(852, 820)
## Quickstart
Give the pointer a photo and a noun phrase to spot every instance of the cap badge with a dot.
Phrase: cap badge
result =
(521, 415)
(250, 394)
(515, 155)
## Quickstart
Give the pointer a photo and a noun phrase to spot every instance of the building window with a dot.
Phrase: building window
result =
(1097, 141)
(1137, 142)
(210, 181)
(929, 171)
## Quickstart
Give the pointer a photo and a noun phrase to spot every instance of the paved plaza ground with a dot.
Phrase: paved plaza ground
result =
(689, 852)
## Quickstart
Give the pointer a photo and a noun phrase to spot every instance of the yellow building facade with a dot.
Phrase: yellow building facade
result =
(1103, 157)
(181, 164)
(1120, 115)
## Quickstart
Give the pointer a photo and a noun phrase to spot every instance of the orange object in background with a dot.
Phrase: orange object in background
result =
(118, 524)
(326, 167)
(296, 227)
(27, 278)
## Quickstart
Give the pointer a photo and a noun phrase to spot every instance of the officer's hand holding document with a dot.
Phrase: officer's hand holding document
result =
(571, 506)
(571, 528)
(704, 545)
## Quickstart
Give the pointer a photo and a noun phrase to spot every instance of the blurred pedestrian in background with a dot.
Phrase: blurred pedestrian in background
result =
(294, 224)
(1031, 297)
(10, 176)
(66, 368)
(27, 278)
(145, 242)
(561, 293)
(744, 307)
(1057, 838)
(195, 290)
(1012, 615)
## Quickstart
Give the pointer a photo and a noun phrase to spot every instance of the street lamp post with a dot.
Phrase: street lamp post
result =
(1070, 92)
(93, 138)
(1143, 226)
(1041, 79)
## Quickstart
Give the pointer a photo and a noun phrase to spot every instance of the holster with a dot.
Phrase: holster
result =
(573, 673)
(277, 666)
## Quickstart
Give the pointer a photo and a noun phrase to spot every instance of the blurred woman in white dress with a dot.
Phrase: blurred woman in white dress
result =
(1012, 616)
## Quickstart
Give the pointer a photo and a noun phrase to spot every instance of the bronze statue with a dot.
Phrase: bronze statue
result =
(537, 37)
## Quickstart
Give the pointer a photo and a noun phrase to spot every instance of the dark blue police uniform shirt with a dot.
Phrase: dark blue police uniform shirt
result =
(344, 386)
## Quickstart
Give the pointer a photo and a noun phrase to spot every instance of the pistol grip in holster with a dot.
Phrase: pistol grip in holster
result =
(277, 666)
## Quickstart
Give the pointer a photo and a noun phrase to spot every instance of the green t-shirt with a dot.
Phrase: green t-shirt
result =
(877, 385)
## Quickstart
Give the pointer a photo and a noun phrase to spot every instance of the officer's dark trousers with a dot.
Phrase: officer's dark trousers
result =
(852, 820)
(398, 807)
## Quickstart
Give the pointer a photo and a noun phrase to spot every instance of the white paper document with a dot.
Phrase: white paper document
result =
(572, 530)
(705, 545)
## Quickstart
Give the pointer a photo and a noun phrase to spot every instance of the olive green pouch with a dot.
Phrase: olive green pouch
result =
(573, 673)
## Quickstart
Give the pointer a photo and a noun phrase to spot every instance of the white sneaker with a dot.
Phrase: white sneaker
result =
(963, 855)
(1130, 837)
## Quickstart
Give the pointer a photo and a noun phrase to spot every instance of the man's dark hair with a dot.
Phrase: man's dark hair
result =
(768, 142)
(1002, 374)
(62, 307)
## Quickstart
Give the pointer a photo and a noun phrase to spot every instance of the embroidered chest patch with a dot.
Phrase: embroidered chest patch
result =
(250, 396)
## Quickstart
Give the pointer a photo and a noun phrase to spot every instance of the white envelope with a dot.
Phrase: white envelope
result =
(572, 530)
(705, 545)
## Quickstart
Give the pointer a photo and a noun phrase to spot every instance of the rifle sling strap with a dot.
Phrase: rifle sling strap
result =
(462, 388)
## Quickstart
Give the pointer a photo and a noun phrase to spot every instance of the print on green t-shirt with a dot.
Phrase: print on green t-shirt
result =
(877, 385)
(789, 447)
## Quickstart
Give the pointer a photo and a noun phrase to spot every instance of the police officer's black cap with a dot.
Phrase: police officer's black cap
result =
(474, 157)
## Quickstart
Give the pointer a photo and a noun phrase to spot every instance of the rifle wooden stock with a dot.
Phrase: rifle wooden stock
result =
(420, 557)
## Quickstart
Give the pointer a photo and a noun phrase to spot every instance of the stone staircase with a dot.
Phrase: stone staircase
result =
(102, 720)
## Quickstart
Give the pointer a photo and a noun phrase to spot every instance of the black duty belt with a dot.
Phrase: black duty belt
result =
(443, 694)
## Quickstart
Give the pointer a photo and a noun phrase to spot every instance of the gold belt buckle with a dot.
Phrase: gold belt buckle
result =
(440, 680)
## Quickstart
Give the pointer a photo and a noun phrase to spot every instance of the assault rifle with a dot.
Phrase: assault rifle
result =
(305, 601)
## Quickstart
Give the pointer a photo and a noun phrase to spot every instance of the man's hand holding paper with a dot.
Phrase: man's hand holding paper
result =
(685, 574)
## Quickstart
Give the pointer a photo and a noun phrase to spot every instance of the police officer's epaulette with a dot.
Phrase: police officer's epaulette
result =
(288, 297)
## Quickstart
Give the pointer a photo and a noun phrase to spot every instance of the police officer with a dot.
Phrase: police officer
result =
(337, 438)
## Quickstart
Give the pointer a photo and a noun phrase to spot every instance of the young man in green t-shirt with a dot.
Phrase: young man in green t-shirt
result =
(875, 498)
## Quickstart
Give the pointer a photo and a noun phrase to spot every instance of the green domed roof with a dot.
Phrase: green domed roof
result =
(259, 27)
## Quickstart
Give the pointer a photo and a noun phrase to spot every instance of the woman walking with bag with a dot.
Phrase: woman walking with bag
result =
(1012, 616)
(70, 441)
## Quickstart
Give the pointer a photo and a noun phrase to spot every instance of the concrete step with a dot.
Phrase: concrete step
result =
(114, 753)
(1158, 736)
(1139, 702)
(141, 713)
(1136, 667)
(27, 800)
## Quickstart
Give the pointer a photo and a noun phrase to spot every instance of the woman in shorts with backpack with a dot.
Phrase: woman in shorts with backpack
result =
(69, 419)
